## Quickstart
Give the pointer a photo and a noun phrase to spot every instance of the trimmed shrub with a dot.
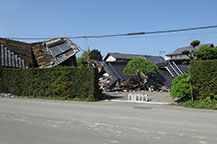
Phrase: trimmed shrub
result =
(181, 87)
(57, 83)
(204, 79)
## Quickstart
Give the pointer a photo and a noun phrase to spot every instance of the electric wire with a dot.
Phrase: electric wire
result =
(121, 35)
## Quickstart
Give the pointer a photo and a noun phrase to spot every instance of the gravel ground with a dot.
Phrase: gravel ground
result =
(7, 95)
(152, 96)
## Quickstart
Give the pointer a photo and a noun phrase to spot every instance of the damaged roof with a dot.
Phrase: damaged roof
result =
(122, 56)
(53, 52)
(23, 50)
(44, 54)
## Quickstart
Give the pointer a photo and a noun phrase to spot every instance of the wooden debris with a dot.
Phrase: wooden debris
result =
(133, 84)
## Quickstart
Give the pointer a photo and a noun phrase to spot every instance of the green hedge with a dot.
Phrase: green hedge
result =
(204, 78)
(56, 83)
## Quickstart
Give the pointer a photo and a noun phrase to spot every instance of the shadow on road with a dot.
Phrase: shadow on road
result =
(110, 97)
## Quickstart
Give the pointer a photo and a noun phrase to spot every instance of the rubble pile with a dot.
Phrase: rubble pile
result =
(113, 79)
(132, 84)
(104, 81)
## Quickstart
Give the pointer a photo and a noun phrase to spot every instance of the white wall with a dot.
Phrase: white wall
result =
(176, 57)
(110, 58)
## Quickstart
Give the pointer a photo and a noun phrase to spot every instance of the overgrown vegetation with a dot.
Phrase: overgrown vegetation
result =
(58, 83)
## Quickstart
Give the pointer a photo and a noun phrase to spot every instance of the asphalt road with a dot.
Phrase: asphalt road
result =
(30, 121)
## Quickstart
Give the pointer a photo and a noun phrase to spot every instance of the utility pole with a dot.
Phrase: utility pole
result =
(88, 53)
(88, 57)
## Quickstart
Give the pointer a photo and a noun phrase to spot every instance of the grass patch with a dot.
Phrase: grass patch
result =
(200, 104)
(57, 98)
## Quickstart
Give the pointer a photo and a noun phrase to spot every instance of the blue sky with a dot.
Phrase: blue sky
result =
(56, 18)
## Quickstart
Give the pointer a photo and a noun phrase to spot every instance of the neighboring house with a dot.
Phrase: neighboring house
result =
(47, 54)
(127, 57)
(176, 62)
(177, 54)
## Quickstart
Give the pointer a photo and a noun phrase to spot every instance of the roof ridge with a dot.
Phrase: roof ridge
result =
(11, 40)
(133, 54)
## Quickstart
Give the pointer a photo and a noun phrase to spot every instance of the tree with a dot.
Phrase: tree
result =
(93, 55)
(207, 53)
(188, 54)
(140, 66)
(191, 54)
(195, 43)
(82, 58)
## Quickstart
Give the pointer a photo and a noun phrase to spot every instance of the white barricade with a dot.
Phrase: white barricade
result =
(137, 97)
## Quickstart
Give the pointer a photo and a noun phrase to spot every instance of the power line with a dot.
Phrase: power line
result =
(178, 35)
(124, 34)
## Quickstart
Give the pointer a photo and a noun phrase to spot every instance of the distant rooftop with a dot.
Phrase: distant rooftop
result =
(123, 56)
(178, 51)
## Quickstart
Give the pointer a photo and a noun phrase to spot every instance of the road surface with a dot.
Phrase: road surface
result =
(33, 121)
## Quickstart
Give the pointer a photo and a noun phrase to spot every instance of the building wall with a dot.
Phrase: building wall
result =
(176, 57)
(110, 58)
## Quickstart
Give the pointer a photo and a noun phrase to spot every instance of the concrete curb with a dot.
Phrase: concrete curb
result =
(127, 101)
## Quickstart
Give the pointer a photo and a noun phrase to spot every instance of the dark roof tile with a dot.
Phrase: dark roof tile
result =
(122, 56)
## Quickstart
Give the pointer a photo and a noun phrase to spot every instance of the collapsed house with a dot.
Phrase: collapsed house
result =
(112, 77)
(46, 54)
